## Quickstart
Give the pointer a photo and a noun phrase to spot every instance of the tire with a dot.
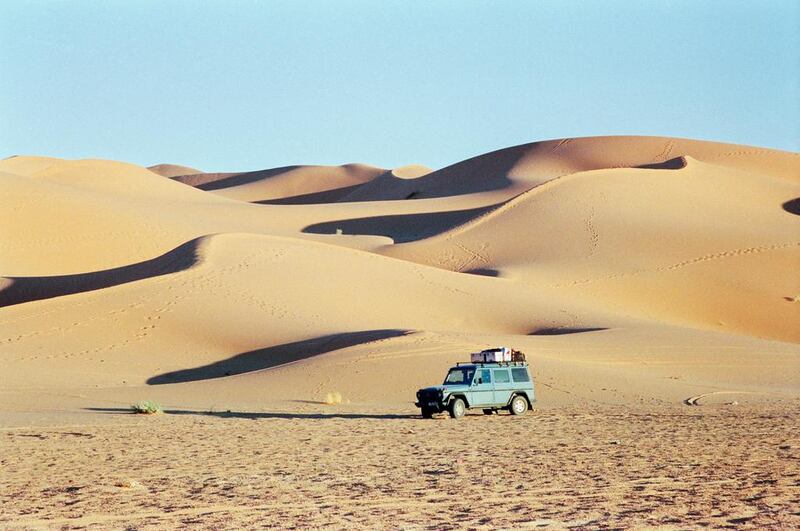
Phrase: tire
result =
(457, 408)
(518, 405)
(488, 411)
(427, 413)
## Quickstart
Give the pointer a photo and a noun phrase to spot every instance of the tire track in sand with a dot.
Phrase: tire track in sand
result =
(694, 400)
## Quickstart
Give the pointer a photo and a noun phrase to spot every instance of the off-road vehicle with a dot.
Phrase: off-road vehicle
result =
(490, 386)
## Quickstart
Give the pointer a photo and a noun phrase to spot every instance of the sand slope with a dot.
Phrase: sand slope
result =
(288, 185)
(514, 170)
(691, 245)
(619, 241)
(96, 215)
(653, 283)
(172, 170)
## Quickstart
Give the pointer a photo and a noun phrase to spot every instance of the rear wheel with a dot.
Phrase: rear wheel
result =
(518, 405)
(457, 408)
(427, 413)
(488, 411)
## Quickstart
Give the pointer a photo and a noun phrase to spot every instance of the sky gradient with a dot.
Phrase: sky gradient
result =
(233, 86)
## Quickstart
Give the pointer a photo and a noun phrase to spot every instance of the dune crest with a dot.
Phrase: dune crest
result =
(290, 184)
(173, 170)
(412, 171)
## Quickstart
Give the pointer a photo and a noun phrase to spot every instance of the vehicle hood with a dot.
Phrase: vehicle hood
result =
(445, 388)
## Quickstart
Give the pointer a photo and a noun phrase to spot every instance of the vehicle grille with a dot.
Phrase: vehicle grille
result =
(429, 396)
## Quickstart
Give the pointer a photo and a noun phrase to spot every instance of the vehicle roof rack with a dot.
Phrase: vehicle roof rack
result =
(483, 363)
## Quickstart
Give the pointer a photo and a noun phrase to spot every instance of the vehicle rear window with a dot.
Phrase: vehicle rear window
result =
(520, 375)
(501, 376)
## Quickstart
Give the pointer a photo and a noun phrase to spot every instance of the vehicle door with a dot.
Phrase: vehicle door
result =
(522, 381)
(502, 386)
(481, 391)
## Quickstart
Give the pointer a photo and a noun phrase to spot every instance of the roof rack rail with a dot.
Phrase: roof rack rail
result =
(503, 363)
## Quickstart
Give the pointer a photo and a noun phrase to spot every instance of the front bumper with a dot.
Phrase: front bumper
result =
(435, 405)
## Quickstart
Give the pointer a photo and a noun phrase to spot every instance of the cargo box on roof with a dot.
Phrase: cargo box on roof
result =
(492, 355)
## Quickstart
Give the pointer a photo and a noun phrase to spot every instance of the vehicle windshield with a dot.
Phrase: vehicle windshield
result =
(459, 375)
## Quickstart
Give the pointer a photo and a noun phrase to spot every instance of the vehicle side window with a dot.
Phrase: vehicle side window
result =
(457, 376)
(501, 376)
(520, 375)
(485, 376)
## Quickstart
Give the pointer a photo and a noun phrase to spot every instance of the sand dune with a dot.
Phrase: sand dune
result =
(115, 215)
(514, 170)
(119, 178)
(604, 233)
(645, 277)
(265, 303)
(27, 165)
(172, 170)
(290, 185)
(662, 242)
(26, 289)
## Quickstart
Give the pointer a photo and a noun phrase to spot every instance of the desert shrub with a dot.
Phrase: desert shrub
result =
(128, 484)
(333, 398)
(146, 407)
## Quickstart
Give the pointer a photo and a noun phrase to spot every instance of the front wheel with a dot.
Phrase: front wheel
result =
(518, 405)
(457, 408)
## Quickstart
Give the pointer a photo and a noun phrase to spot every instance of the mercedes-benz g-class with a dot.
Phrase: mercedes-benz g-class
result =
(490, 386)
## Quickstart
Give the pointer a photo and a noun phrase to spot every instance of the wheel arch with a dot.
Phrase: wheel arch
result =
(524, 395)
(462, 397)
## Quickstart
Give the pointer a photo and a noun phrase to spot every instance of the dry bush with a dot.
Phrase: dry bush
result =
(333, 398)
(147, 407)
(128, 484)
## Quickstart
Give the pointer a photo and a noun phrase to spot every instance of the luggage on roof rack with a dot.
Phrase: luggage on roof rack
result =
(497, 355)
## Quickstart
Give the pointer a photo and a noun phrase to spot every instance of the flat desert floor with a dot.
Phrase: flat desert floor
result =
(652, 283)
(333, 468)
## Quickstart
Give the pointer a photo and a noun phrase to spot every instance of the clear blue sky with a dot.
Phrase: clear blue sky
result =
(238, 85)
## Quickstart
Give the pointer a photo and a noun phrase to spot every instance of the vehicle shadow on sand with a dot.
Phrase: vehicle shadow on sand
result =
(227, 414)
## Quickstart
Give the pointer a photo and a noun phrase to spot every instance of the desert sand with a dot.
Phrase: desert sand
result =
(654, 284)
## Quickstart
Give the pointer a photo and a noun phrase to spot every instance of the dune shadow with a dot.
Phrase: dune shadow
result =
(563, 331)
(218, 181)
(312, 198)
(484, 272)
(677, 163)
(792, 206)
(401, 227)
(485, 173)
(264, 415)
(27, 289)
(266, 358)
